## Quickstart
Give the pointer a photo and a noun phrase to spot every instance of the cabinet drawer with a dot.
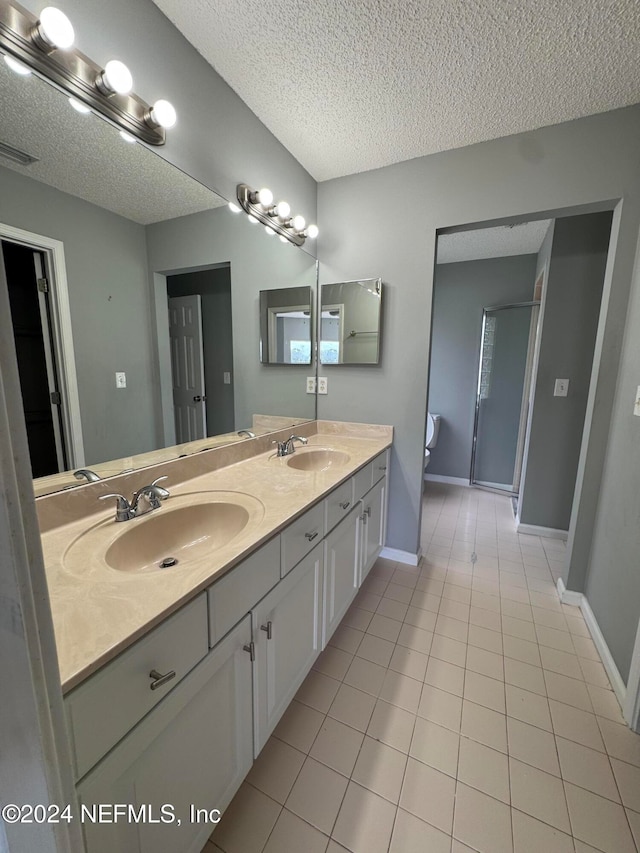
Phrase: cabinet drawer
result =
(241, 589)
(380, 466)
(301, 536)
(362, 481)
(106, 706)
(337, 505)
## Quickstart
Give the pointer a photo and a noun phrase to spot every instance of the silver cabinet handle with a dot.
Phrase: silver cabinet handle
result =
(363, 517)
(368, 511)
(159, 679)
(250, 647)
(345, 504)
(267, 628)
(311, 536)
(382, 468)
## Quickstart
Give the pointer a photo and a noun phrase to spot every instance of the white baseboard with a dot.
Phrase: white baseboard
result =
(440, 478)
(535, 530)
(578, 599)
(401, 556)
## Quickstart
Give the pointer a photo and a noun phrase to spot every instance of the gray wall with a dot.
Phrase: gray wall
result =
(107, 276)
(569, 322)
(461, 291)
(552, 170)
(214, 286)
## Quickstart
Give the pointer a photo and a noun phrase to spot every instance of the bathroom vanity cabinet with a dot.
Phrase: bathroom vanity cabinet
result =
(240, 651)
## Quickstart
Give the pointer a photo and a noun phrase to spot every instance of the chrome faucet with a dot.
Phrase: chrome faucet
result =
(86, 474)
(246, 432)
(143, 501)
(286, 448)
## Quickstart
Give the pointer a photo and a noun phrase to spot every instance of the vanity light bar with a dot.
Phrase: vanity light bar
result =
(275, 217)
(45, 46)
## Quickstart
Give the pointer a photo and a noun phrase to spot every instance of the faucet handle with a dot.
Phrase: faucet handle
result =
(123, 507)
(158, 479)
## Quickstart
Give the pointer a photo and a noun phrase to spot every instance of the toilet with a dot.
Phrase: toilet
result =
(433, 427)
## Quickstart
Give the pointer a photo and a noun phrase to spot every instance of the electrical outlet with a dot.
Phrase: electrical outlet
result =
(226, 377)
(311, 384)
(322, 385)
(636, 406)
(561, 388)
(121, 380)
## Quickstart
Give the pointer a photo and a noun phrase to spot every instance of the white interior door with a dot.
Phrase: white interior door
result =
(187, 366)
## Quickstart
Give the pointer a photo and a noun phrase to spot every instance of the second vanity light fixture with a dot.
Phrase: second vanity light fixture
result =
(276, 218)
(44, 43)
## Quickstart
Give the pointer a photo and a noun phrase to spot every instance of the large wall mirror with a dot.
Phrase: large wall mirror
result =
(134, 295)
(286, 324)
(351, 322)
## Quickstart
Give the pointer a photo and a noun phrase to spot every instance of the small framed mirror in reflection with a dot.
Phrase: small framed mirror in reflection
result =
(351, 322)
(286, 324)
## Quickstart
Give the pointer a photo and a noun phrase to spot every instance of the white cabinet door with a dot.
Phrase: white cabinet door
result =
(373, 506)
(341, 572)
(193, 748)
(287, 635)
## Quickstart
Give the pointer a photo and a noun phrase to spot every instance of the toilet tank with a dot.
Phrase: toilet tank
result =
(433, 427)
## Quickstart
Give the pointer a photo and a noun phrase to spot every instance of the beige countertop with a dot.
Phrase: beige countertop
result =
(98, 611)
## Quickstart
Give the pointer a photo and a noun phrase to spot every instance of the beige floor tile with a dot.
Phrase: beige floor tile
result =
(484, 769)
(576, 725)
(317, 795)
(247, 822)
(276, 769)
(571, 691)
(292, 833)
(414, 637)
(538, 794)
(484, 726)
(365, 675)
(561, 662)
(532, 746)
(486, 601)
(516, 610)
(594, 673)
(484, 638)
(318, 691)
(445, 676)
(392, 609)
(346, 638)
(337, 746)
(634, 823)
(605, 703)
(424, 600)
(549, 618)
(518, 628)
(407, 576)
(367, 601)
(577, 626)
(485, 663)
(434, 745)
(456, 593)
(400, 690)
(392, 725)
(586, 648)
(522, 650)
(484, 691)
(454, 609)
(357, 618)
(525, 676)
(365, 821)
(550, 602)
(455, 629)
(448, 650)
(375, 649)
(587, 768)
(375, 585)
(515, 593)
(484, 619)
(409, 662)
(528, 707)
(380, 769)
(428, 794)
(533, 836)
(598, 821)
(440, 707)
(412, 835)
(620, 741)
(333, 662)
(299, 726)
(352, 707)
(628, 779)
(384, 627)
(398, 593)
(482, 821)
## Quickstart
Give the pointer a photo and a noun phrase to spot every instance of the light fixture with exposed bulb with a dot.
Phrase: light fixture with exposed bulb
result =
(265, 197)
(298, 222)
(17, 67)
(283, 210)
(115, 79)
(162, 114)
(312, 232)
(53, 31)
(258, 205)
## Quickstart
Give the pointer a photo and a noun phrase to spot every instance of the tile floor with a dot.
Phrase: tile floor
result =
(460, 707)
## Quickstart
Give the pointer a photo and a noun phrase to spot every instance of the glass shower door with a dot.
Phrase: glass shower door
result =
(506, 355)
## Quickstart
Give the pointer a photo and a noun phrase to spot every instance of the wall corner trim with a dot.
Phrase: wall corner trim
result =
(546, 532)
(567, 596)
(441, 478)
(402, 556)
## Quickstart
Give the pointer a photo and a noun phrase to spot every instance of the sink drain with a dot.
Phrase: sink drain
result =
(168, 562)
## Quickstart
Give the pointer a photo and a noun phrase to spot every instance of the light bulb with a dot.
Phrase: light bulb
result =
(79, 107)
(252, 218)
(233, 207)
(269, 230)
(18, 67)
(283, 239)
(313, 231)
(163, 114)
(55, 29)
(298, 223)
(265, 197)
(283, 209)
(127, 136)
(115, 79)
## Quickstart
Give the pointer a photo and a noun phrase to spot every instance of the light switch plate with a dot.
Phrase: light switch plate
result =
(311, 384)
(121, 380)
(561, 388)
(226, 377)
(636, 406)
(323, 385)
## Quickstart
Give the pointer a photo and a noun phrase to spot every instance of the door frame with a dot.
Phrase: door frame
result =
(62, 335)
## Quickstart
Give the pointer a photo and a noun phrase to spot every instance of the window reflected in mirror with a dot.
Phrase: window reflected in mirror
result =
(285, 326)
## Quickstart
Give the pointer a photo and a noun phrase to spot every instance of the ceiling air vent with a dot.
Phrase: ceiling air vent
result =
(17, 156)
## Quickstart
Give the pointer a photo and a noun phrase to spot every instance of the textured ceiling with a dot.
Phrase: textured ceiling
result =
(524, 238)
(86, 157)
(351, 85)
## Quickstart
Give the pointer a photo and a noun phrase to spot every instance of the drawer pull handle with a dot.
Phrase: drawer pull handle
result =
(159, 679)
(250, 647)
(363, 518)
(382, 468)
(267, 628)
(311, 536)
(368, 511)
(345, 504)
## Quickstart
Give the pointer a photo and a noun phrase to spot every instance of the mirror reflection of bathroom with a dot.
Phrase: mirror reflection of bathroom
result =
(516, 307)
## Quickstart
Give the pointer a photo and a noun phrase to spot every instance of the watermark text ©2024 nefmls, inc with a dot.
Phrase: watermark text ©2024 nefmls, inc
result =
(108, 813)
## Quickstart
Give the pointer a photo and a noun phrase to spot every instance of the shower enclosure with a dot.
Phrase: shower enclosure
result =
(502, 404)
